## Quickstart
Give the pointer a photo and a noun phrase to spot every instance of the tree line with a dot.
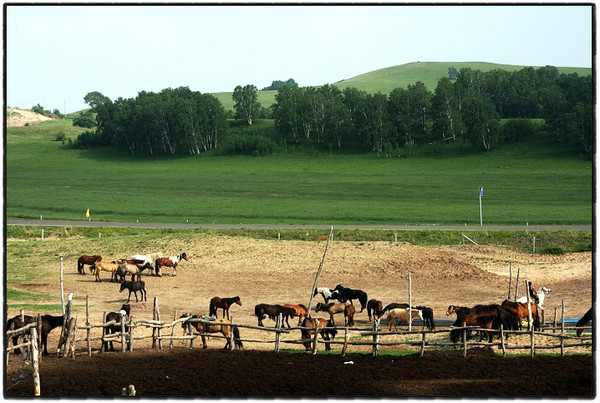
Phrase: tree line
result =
(483, 108)
(470, 108)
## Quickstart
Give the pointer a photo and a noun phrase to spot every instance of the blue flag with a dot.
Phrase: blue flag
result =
(481, 191)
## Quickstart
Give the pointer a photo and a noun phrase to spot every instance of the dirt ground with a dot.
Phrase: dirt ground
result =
(278, 272)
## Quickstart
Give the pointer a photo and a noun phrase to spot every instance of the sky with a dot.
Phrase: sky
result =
(56, 54)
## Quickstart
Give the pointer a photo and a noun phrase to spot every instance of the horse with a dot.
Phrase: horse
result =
(135, 286)
(504, 317)
(49, 322)
(86, 259)
(349, 315)
(326, 293)
(583, 321)
(223, 303)
(391, 306)
(204, 328)
(115, 328)
(348, 294)
(273, 311)
(520, 312)
(149, 258)
(326, 334)
(405, 314)
(376, 306)
(483, 320)
(172, 261)
(427, 317)
(110, 267)
(135, 269)
(332, 308)
(301, 311)
(541, 295)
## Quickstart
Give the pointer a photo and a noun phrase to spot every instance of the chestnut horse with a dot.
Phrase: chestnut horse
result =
(326, 334)
(172, 261)
(349, 315)
(204, 328)
(110, 267)
(301, 311)
(521, 313)
(87, 259)
(332, 308)
(217, 303)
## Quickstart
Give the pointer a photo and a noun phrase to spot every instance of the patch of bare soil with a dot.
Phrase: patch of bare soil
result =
(279, 272)
(20, 117)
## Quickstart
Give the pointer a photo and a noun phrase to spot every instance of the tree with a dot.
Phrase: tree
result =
(445, 112)
(95, 99)
(246, 102)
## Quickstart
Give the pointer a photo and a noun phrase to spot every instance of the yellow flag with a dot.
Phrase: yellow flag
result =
(87, 213)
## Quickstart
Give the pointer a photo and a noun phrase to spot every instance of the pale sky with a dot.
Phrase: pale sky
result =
(55, 55)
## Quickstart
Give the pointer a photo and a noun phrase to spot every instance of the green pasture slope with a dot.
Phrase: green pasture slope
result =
(533, 182)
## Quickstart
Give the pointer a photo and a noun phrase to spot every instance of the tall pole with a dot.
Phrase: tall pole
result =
(480, 211)
(319, 272)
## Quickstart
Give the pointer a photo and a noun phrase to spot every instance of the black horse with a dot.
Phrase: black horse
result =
(49, 322)
(427, 317)
(116, 316)
(583, 321)
(348, 294)
(135, 286)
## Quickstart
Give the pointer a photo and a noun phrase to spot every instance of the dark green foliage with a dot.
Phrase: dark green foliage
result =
(85, 119)
(90, 139)
(517, 129)
(276, 85)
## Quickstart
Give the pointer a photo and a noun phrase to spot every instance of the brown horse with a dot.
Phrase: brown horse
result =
(301, 311)
(483, 320)
(333, 308)
(217, 303)
(87, 259)
(326, 334)
(172, 261)
(521, 313)
(110, 267)
(49, 322)
(376, 307)
(204, 328)
(583, 321)
(273, 311)
(349, 315)
(405, 314)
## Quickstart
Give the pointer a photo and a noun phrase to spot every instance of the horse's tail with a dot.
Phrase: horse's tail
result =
(236, 337)
(363, 301)
(211, 308)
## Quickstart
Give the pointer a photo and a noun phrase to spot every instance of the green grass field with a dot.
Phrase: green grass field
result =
(533, 182)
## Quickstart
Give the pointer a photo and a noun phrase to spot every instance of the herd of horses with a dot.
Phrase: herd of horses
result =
(509, 315)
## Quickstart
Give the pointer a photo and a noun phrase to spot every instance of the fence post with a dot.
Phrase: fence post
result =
(154, 318)
(39, 335)
(502, 340)
(231, 334)
(130, 336)
(464, 337)
(172, 331)
(72, 338)
(35, 362)
(87, 324)
(562, 329)
(123, 319)
(509, 279)
(346, 340)
(422, 344)
(158, 319)
(532, 338)
(529, 317)
(554, 323)
(376, 337)
(278, 332)
(409, 302)
(315, 338)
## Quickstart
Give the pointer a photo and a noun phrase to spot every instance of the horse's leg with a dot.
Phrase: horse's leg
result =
(203, 341)
(174, 270)
(129, 296)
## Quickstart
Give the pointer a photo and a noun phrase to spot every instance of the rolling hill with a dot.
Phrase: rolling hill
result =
(386, 79)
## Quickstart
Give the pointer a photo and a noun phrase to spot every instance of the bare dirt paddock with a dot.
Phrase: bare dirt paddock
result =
(278, 272)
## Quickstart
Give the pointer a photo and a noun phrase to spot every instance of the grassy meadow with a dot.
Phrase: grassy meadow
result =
(533, 182)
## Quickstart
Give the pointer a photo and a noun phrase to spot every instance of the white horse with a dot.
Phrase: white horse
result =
(149, 258)
(541, 295)
(326, 293)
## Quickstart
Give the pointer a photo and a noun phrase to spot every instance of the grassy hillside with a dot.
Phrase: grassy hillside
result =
(534, 182)
(386, 79)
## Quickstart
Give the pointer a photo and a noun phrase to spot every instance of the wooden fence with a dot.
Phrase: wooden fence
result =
(30, 335)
